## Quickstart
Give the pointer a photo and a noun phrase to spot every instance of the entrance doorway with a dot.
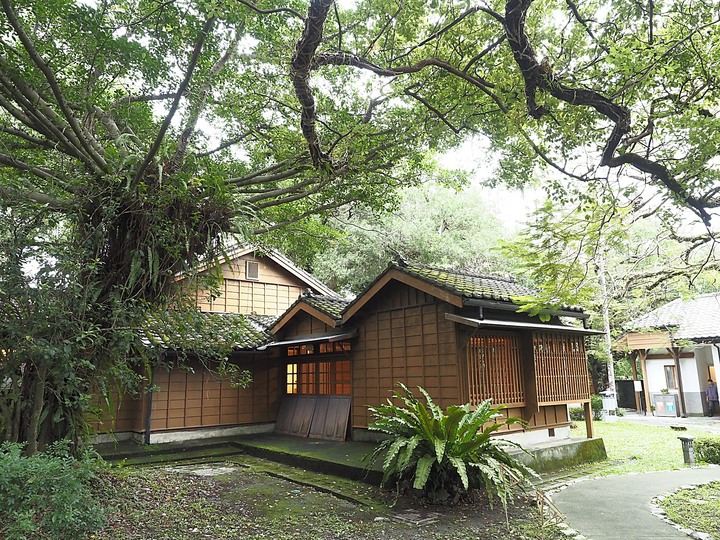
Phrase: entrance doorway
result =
(317, 399)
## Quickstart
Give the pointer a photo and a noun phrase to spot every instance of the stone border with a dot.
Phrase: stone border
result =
(658, 512)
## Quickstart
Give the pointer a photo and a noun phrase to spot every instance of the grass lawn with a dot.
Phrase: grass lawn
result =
(636, 448)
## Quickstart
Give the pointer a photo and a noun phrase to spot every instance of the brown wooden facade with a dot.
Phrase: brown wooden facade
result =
(322, 371)
(403, 334)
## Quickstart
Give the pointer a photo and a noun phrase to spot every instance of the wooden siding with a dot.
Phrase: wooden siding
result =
(546, 417)
(200, 399)
(561, 373)
(271, 294)
(126, 413)
(646, 340)
(494, 364)
(304, 324)
(403, 337)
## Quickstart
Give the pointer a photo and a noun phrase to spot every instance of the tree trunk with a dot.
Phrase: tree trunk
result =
(602, 280)
(37, 408)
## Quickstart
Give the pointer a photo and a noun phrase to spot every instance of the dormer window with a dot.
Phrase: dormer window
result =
(252, 270)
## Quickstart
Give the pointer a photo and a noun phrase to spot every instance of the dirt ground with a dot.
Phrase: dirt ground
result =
(252, 499)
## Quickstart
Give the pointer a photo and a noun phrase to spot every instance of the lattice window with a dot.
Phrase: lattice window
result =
(319, 378)
(561, 368)
(495, 369)
(291, 379)
(252, 270)
(342, 378)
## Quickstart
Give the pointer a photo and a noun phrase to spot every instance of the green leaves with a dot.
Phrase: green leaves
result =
(443, 453)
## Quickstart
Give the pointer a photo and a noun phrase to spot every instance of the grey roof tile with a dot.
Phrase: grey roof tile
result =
(694, 319)
(472, 285)
(192, 330)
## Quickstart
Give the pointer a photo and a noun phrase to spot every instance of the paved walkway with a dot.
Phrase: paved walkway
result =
(618, 507)
(703, 423)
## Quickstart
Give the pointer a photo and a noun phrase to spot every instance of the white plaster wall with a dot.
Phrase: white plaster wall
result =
(694, 374)
(656, 374)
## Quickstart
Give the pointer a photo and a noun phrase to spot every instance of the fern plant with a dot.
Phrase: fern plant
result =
(445, 453)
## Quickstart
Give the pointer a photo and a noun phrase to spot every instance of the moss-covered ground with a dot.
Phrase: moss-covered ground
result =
(249, 498)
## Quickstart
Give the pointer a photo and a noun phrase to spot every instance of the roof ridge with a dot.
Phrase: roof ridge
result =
(460, 272)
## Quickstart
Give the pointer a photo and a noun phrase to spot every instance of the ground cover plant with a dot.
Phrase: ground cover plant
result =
(445, 453)
(696, 509)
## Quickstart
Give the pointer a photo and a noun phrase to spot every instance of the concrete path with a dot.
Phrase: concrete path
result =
(618, 507)
(702, 423)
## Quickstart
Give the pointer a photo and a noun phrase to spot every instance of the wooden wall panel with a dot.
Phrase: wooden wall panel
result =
(199, 399)
(403, 337)
(561, 374)
(272, 294)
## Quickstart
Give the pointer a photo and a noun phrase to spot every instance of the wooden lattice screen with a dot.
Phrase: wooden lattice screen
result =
(495, 369)
(561, 368)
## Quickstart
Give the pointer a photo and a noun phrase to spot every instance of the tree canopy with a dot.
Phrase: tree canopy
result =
(140, 131)
(433, 225)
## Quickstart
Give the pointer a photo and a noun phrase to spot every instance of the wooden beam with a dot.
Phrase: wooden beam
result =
(642, 353)
(589, 427)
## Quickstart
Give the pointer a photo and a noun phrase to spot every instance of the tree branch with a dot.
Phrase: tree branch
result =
(85, 141)
(300, 74)
(539, 78)
(199, 43)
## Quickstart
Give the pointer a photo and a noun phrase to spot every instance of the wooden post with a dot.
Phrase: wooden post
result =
(633, 365)
(681, 391)
(589, 428)
(643, 357)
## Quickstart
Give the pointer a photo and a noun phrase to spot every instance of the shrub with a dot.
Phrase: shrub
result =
(596, 404)
(707, 449)
(577, 414)
(445, 453)
(47, 495)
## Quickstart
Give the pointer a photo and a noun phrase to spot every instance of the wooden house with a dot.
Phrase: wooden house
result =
(191, 400)
(459, 336)
(319, 365)
(678, 346)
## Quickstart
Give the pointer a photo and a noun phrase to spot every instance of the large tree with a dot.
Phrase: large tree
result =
(145, 129)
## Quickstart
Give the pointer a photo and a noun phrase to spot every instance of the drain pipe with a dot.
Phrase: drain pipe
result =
(149, 400)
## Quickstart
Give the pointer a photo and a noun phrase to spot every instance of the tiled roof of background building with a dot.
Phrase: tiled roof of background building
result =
(695, 319)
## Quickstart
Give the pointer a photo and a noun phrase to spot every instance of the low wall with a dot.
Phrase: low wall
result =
(560, 454)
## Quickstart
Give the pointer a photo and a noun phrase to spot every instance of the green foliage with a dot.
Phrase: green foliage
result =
(596, 405)
(707, 449)
(445, 453)
(577, 414)
(48, 495)
(433, 225)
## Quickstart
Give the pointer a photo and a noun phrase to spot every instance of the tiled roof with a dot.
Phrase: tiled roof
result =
(472, 285)
(197, 331)
(694, 319)
(331, 306)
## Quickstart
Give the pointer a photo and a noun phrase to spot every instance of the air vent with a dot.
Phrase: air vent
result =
(252, 270)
